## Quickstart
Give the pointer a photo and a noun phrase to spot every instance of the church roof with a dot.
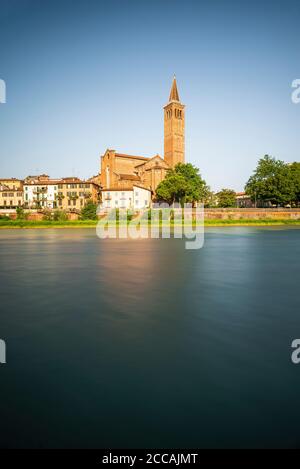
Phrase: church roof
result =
(152, 158)
(130, 177)
(174, 95)
(122, 155)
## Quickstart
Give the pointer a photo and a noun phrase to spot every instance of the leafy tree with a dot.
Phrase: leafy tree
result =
(182, 184)
(226, 198)
(21, 215)
(271, 182)
(295, 180)
(59, 215)
(89, 211)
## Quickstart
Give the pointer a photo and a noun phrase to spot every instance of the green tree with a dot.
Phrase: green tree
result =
(295, 180)
(89, 211)
(21, 215)
(59, 215)
(182, 184)
(226, 198)
(271, 182)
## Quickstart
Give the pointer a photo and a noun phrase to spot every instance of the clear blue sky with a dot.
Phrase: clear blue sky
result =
(83, 76)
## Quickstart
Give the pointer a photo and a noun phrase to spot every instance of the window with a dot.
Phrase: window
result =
(4, 194)
(11, 202)
(69, 202)
(60, 186)
(4, 202)
(116, 202)
(60, 202)
(74, 202)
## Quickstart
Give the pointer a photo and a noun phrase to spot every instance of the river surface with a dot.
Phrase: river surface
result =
(142, 343)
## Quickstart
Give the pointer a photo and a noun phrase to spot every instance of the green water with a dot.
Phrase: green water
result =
(122, 343)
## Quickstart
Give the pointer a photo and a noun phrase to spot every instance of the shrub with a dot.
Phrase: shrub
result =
(89, 211)
(59, 215)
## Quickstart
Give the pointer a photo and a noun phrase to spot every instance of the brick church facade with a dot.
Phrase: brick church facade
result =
(121, 172)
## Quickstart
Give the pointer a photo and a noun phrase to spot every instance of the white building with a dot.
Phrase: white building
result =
(137, 198)
(40, 192)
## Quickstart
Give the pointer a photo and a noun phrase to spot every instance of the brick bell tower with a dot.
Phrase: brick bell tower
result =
(174, 128)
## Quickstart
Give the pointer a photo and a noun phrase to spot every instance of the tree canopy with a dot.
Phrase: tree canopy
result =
(89, 211)
(182, 184)
(274, 181)
(226, 198)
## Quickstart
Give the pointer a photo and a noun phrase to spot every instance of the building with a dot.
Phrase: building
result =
(10, 198)
(135, 198)
(11, 194)
(73, 193)
(70, 194)
(12, 183)
(40, 192)
(121, 172)
(125, 181)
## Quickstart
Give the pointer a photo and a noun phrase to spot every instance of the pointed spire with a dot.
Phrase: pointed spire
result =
(174, 96)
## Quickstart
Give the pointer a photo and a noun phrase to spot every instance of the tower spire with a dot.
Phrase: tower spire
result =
(174, 96)
(174, 128)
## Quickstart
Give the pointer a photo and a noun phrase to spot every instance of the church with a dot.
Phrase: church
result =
(129, 181)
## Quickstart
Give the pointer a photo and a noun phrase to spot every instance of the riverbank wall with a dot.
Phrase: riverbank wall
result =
(251, 214)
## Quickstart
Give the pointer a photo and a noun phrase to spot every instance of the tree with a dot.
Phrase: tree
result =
(59, 215)
(21, 215)
(226, 198)
(182, 184)
(271, 182)
(295, 180)
(89, 211)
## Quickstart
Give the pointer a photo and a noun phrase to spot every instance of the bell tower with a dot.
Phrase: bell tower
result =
(174, 128)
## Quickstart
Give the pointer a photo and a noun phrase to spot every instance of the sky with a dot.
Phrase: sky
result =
(84, 76)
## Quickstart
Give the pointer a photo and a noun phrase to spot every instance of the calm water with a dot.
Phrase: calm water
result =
(144, 344)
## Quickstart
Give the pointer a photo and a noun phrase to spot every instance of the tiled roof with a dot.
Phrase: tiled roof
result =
(122, 155)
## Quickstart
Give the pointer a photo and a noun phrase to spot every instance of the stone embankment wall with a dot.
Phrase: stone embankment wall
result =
(252, 213)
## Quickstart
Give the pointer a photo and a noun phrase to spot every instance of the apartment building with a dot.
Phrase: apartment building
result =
(11, 193)
(136, 198)
(71, 193)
